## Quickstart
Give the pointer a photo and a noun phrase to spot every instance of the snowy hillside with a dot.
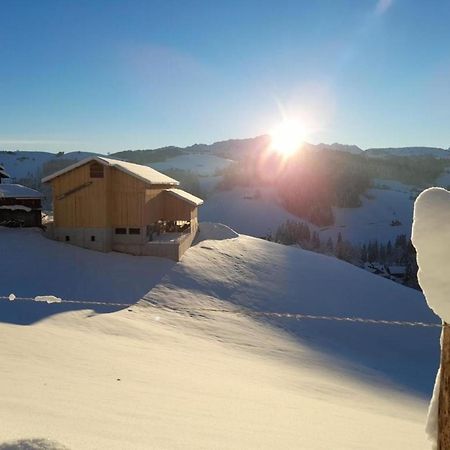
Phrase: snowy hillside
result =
(30, 164)
(258, 212)
(182, 369)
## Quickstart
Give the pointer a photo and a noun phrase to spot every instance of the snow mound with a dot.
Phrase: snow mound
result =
(47, 299)
(431, 237)
(215, 231)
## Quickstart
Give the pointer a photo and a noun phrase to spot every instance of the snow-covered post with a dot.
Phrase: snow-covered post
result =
(431, 237)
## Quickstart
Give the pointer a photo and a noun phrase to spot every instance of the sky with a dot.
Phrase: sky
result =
(113, 75)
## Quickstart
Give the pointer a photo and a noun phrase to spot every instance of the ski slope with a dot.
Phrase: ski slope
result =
(259, 215)
(182, 369)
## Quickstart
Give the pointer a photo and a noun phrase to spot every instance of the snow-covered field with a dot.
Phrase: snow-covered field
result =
(170, 373)
(23, 164)
(252, 211)
(373, 219)
(258, 215)
(200, 164)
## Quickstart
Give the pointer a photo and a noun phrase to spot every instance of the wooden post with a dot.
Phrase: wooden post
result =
(444, 392)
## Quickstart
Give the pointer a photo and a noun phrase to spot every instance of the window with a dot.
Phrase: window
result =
(92, 238)
(134, 230)
(120, 231)
(67, 238)
(96, 170)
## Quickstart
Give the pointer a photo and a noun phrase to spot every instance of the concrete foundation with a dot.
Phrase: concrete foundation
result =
(106, 240)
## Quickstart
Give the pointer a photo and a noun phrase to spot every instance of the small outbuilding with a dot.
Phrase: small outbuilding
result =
(106, 204)
(20, 206)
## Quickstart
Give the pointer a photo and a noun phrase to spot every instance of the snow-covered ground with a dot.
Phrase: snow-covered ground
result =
(23, 164)
(257, 212)
(200, 164)
(170, 373)
(253, 211)
(373, 219)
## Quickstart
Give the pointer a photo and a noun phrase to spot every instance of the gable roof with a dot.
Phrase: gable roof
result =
(18, 191)
(143, 173)
(183, 195)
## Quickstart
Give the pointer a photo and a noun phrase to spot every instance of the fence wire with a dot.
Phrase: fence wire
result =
(269, 314)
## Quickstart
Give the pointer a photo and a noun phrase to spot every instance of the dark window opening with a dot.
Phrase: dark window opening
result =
(92, 238)
(96, 170)
(120, 231)
(67, 238)
(134, 230)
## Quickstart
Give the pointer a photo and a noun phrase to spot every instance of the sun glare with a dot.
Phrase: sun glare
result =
(287, 137)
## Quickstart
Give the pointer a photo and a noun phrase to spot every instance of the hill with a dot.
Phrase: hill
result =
(435, 152)
(186, 367)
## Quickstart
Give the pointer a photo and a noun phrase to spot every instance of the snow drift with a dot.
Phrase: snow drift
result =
(184, 368)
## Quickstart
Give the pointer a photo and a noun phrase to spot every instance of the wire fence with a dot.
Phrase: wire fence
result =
(248, 312)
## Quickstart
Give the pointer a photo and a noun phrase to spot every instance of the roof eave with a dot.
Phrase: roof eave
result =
(71, 167)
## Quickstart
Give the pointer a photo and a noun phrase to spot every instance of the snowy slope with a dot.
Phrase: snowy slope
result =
(258, 215)
(253, 211)
(157, 376)
(203, 165)
(372, 220)
(28, 164)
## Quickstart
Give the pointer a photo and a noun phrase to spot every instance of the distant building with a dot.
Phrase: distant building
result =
(20, 206)
(106, 204)
(3, 173)
(397, 272)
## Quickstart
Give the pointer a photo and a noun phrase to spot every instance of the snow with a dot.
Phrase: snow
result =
(16, 208)
(26, 164)
(252, 211)
(47, 299)
(200, 164)
(183, 195)
(373, 219)
(258, 212)
(431, 237)
(18, 191)
(144, 173)
(215, 231)
(169, 372)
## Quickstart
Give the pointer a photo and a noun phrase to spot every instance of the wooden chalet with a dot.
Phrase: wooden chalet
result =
(111, 205)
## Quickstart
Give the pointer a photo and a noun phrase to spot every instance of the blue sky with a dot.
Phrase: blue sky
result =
(113, 75)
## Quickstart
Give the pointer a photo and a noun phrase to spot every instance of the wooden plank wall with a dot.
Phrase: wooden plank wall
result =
(84, 208)
(127, 200)
(176, 208)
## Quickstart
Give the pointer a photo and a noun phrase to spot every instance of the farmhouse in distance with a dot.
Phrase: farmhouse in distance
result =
(19, 205)
(110, 205)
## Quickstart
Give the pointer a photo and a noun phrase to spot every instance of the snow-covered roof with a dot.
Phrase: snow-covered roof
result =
(3, 173)
(185, 196)
(18, 191)
(397, 270)
(144, 173)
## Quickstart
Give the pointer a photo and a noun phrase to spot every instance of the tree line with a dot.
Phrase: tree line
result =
(399, 251)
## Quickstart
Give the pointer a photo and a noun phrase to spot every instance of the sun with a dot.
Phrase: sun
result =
(287, 137)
